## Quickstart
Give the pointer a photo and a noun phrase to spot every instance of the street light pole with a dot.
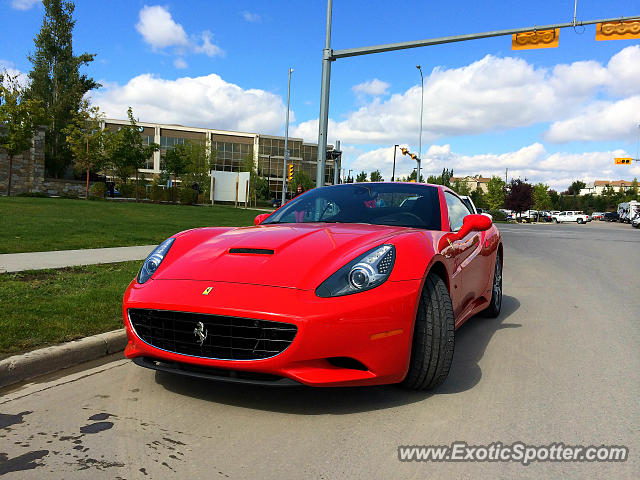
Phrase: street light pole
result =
(393, 174)
(323, 120)
(286, 143)
(421, 108)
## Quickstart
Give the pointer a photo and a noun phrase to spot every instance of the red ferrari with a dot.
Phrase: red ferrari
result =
(353, 284)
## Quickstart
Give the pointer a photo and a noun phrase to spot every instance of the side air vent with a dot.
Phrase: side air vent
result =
(252, 251)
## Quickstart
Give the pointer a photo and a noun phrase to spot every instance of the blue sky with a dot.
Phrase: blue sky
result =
(551, 115)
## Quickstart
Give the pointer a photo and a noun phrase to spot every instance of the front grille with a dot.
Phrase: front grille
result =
(227, 338)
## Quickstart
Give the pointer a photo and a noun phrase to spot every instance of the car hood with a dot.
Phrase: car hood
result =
(291, 255)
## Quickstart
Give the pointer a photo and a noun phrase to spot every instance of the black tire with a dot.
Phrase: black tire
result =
(493, 310)
(555, 220)
(433, 337)
(579, 221)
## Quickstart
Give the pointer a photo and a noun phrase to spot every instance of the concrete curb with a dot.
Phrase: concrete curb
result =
(51, 359)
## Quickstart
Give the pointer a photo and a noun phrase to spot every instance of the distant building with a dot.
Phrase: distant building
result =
(599, 186)
(475, 182)
(232, 148)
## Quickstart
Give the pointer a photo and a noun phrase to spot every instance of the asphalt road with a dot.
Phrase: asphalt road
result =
(559, 365)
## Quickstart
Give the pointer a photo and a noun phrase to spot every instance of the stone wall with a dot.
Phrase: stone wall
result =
(28, 173)
(61, 187)
(28, 168)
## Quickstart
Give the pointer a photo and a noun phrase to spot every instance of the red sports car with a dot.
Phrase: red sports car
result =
(353, 284)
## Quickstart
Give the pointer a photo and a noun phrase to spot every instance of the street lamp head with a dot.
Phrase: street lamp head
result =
(418, 67)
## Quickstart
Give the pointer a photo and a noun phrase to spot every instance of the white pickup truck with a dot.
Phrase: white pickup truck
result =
(570, 216)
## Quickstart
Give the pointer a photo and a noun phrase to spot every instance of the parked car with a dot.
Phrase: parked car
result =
(330, 290)
(597, 215)
(472, 207)
(610, 216)
(544, 216)
(635, 223)
(571, 216)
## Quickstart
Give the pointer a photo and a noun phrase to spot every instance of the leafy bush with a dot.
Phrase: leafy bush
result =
(157, 193)
(33, 194)
(98, 189)
(127, 190)
(187, 196)
(70, 195)
(497, 215)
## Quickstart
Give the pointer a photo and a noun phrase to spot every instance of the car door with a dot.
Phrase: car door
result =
(470, 268)
(562, 217)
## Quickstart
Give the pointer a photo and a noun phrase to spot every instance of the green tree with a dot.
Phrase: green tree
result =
(461, 187)
(541, 200)
(56, 80)
(633, 191)
(301, 178)
(555, 199)
(376, 176)
(86, 139)
(432, 179)
(361, 177)
(495, 193)
(19, 117)
(446, 177)
(176, 162)
(126, 151)
(575, 187)
(412, 177)
(478, 198)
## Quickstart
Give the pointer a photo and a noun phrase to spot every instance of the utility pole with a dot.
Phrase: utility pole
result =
(393, 173)
(286, 143)
(324, 101)
(329, 55)
(506, 170)
(421, 108)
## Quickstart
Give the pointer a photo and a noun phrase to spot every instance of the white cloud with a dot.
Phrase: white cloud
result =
(206, 101)
(599, 121)
(372, 87)
(7, 67)
(160, 31)
(158, 28)
(23, 4)
(558, 170)
(251, 17)
(180, 63)
(496, 93)
(207, 47)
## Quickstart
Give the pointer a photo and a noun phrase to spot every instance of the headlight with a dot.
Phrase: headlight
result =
(368, 271)
(154, 260)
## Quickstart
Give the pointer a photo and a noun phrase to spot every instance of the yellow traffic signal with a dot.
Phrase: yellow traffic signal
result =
(290, 176)
(623, 161)
(535, 39)
(413, 156)
(618, 30)
(404, 151)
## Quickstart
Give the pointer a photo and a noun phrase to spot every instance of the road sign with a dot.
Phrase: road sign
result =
(618, 30)
(623, 161)
(535, 39)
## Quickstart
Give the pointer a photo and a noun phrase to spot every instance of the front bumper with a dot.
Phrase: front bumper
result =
(373, 328)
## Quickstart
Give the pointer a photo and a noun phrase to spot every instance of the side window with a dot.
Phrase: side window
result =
(457, 211)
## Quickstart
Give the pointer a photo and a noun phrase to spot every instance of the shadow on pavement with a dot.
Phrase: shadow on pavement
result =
(471, 341)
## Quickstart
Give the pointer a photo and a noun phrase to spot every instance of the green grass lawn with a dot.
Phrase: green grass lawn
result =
(43, 224)
(44, 307)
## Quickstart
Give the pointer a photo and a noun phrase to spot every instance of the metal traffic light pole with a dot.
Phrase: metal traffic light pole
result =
(329, 55)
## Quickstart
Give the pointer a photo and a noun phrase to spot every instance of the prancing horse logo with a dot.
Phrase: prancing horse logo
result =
(200, 333)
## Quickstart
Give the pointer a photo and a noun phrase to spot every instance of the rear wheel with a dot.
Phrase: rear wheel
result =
(433, 337)
(493, 310)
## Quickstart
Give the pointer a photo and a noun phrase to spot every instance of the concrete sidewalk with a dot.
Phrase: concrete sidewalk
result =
(16, 262)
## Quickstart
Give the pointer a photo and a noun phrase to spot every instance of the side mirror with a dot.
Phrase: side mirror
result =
(471, 223)
(474, 223)
(260, 218)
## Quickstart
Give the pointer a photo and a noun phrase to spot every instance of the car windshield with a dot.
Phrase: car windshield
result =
(394, 204)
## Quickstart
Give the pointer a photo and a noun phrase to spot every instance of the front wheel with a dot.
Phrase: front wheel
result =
(433, 337)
